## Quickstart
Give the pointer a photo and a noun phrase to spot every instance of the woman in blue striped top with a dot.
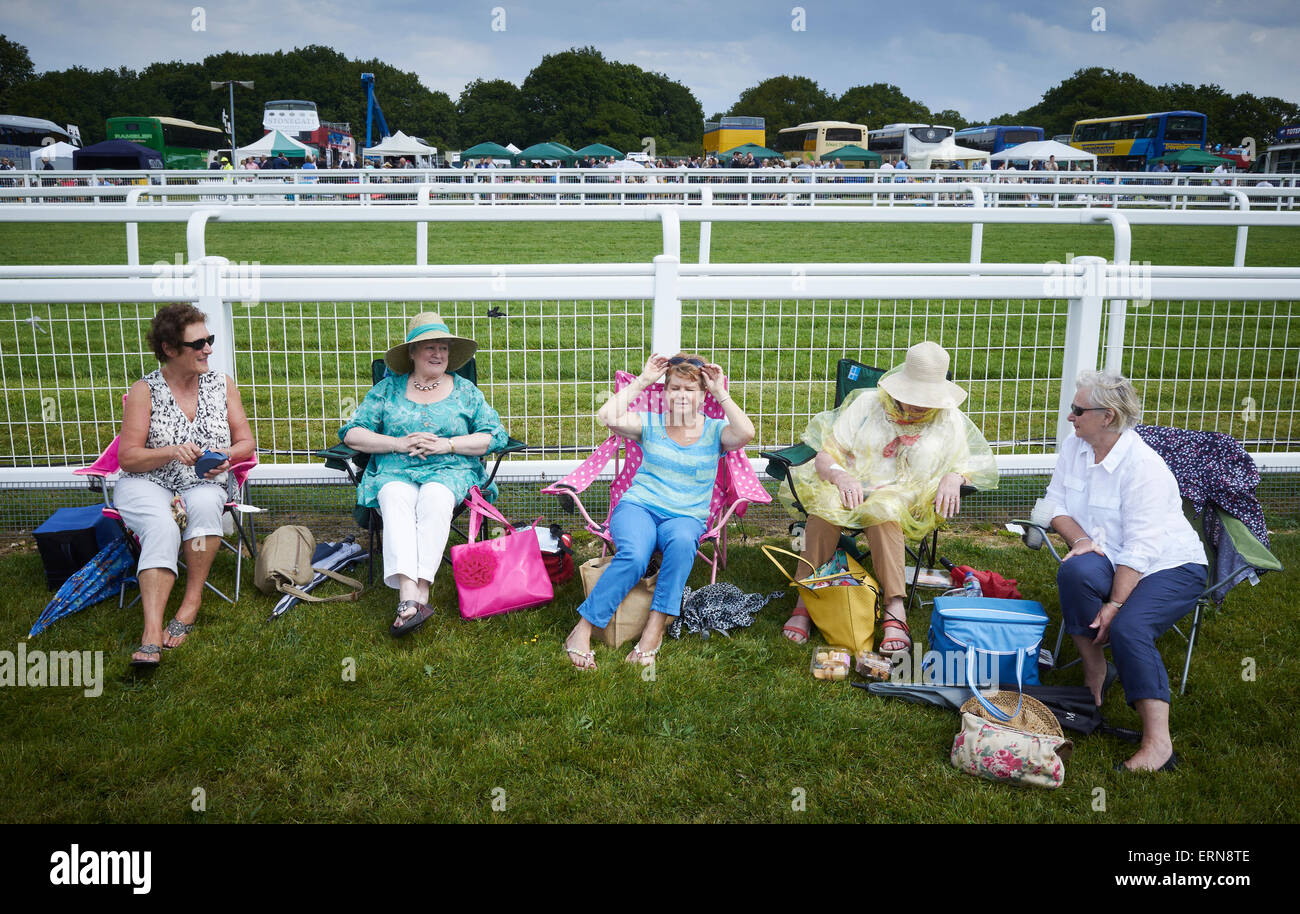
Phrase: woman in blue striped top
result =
(667, 505)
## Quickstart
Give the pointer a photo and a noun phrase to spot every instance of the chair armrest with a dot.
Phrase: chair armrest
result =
(780, 462)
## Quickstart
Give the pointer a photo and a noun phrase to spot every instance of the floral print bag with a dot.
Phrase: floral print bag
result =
(1001, 752)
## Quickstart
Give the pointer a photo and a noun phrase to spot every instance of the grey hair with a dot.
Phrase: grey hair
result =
(1111, 390)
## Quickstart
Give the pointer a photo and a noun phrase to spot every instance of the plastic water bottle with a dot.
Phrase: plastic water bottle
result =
(971, 586)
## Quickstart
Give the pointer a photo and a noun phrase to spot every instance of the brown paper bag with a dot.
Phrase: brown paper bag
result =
(631, 615)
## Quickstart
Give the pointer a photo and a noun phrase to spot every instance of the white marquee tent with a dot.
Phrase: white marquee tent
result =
(1043, 149)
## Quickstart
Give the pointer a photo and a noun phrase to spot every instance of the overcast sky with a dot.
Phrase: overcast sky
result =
(978, 57)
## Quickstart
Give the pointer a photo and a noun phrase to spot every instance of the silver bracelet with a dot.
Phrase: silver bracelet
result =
(1079, 540)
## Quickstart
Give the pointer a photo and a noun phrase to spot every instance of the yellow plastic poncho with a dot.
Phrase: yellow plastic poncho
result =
(900, 487)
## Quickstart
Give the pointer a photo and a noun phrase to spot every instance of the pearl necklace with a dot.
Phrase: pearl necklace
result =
(418, 386)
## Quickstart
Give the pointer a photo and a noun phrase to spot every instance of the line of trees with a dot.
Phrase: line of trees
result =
(575, 97)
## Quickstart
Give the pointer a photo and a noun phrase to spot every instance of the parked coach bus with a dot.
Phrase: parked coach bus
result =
(183, 144)
(1128, 143)
(1283, 156)
(916, 141)
(814, 139)
(996, 137)
(21, 136)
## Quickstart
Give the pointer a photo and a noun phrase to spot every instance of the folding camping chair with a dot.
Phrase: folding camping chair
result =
(735, 487)
(107, 465)
(851, 375)
(356, 464)
(1243, 557)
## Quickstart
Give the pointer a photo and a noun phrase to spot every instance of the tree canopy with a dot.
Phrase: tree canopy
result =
(575, 96)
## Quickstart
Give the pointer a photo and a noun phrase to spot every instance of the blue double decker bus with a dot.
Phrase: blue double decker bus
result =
(997, 137)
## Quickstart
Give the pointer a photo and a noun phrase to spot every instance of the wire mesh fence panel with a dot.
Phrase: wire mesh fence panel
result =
(781, 356)
(544, 366)
(64, 369)
(1220, 366)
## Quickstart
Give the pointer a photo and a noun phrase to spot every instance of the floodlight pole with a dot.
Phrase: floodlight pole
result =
(247, 84)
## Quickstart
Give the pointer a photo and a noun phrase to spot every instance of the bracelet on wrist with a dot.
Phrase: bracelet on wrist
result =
(1079, 540)
(451, 442)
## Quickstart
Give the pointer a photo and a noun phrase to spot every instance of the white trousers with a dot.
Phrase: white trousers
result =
(146, 508)
(417, 521)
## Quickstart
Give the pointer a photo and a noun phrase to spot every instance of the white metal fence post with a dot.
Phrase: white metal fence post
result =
(706, 228)
(666, 321)
(210, 282)
(1082, 331)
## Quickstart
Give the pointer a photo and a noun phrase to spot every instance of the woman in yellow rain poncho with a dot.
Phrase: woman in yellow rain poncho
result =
(891, 460)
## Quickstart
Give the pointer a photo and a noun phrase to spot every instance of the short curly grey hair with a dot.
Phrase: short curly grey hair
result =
(1111, 390)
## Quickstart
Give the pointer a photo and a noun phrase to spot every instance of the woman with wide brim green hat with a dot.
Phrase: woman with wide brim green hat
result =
(426, 429)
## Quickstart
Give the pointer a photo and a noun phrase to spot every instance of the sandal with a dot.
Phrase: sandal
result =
(177, 629)
(642, 656)
(405, 626)
(151, 649)
(789, 630)
(906, 641)
(576, 655)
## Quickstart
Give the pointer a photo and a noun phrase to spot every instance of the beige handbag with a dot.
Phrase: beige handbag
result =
(630, 617)
(1030, 749)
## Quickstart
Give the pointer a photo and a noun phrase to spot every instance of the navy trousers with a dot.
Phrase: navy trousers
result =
(1158, 601)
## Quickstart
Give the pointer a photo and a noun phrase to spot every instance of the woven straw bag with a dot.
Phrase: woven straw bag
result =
(1030, 749)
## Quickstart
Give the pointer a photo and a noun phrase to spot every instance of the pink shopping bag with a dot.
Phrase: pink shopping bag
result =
(498, 574)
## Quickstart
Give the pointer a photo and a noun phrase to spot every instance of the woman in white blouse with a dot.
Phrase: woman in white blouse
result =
(1135, 565)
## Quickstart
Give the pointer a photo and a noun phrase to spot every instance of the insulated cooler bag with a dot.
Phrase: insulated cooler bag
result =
(985, 633)
(70, 538)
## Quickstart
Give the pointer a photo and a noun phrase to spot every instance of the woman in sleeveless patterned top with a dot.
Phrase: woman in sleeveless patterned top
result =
(172, 416)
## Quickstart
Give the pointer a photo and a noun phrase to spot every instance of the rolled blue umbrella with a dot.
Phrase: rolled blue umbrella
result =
(97, 580)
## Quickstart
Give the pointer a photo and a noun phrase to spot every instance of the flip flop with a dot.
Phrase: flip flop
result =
(151, 649)
(645, 655)
(177, 629)
(402, 627)
(899, 624)
(1171, 764)
(792, 630)
(589, 656)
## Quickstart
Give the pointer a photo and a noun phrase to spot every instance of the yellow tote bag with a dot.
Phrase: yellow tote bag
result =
(846, 614)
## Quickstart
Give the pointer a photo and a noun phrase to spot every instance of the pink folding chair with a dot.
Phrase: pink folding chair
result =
(106, 466)
(735, 488)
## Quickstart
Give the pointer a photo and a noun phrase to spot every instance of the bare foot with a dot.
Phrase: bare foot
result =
(1151, 757)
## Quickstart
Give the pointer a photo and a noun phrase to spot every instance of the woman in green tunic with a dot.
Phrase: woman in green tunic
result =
(426, 428)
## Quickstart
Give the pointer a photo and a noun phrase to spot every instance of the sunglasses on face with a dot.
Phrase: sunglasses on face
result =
(677, 360)
(1080, 410)
(197, 345)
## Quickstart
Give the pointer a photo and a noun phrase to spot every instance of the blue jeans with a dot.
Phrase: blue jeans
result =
(1158, 601)
(638, 531)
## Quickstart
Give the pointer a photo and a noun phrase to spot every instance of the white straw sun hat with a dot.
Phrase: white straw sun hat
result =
(923, 381)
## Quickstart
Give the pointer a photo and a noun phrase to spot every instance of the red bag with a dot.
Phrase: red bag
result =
(498, 574)
(992, 584)
(557, 552)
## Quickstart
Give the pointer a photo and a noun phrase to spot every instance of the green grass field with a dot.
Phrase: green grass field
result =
(260, 717)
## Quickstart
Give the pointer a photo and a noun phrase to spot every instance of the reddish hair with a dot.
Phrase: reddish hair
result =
(686, 370)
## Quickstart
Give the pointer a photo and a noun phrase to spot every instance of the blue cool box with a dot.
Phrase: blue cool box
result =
(1007, 631)
(70, 538)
